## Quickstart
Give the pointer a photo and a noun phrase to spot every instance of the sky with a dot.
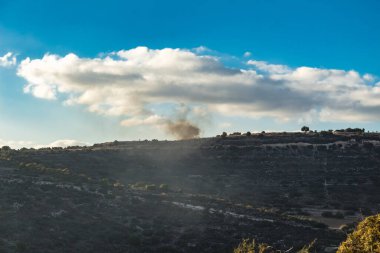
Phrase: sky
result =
(84, 72)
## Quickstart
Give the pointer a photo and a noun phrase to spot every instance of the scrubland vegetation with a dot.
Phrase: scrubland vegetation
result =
(202, 195)
(364, 239)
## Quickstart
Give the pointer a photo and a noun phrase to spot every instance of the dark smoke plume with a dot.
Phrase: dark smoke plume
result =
(182, 129)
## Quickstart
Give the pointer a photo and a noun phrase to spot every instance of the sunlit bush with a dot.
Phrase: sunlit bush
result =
(365, 238)
(247, 246)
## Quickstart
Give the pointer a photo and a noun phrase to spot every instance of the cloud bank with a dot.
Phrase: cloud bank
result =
(131, 83)
(29, 144)
(15, 144)
(62, 144)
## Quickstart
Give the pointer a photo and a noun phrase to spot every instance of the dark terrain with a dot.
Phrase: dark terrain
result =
(201, 195)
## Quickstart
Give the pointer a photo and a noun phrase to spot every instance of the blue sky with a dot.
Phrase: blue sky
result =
(324, 35)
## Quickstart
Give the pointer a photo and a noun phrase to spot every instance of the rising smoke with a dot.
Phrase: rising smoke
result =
(180, 126)
(182, 129)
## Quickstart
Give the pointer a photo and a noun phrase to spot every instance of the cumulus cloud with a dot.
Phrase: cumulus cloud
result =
(129, 83)
(8, 60)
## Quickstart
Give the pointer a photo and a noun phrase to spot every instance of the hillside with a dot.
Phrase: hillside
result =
(201, 195)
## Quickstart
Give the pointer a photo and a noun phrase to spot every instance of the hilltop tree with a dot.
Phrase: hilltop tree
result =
(5, 148)
(305, 129)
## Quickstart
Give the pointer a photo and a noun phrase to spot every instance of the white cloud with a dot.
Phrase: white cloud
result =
(62, 144)
(247, 54)
(270, 68)
(129, 83)
(41, 91)
(151, 120)
(8, 60)
(15, 144)
(201, 49)
(368, 77)
(30, 144)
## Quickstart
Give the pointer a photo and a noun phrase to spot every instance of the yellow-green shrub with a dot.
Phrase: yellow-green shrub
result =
(365, 238)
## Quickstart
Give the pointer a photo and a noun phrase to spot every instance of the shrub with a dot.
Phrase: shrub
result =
(118, 184)
(344, 228)
(365, 238)
(326, 133)
(150, 187)
(247, 246)
(164, 187)
(5, 148)
(307, 248)
(139, 184)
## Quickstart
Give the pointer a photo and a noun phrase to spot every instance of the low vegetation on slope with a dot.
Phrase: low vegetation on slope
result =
(247, 246)
(365, 238)
(201, 195)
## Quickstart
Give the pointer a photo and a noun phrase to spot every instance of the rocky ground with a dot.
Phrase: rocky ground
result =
(201, 195)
